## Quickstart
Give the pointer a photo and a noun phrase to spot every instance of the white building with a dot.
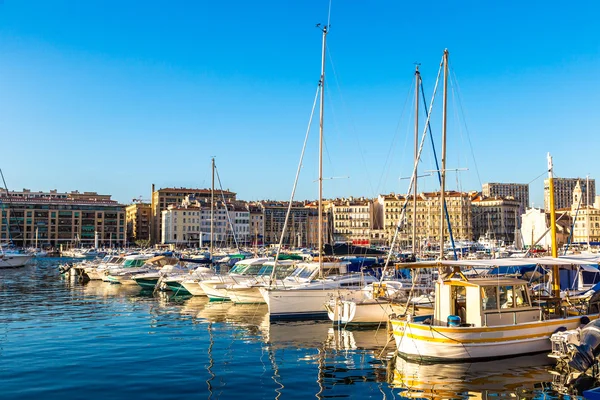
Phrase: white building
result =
(190, 224)
(535, 225)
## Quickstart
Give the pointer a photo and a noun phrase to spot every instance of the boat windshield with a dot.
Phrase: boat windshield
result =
(304, 272)
(253, 269)
(133, 263)
(238, 268)
(265, 270)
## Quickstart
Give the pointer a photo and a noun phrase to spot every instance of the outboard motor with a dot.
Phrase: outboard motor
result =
(63, 269)
(584, 354)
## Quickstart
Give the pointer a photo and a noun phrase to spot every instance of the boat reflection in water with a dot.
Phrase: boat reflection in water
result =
(516, 377)
(103, 289)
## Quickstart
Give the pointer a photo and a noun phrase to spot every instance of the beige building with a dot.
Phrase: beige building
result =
(563, 192)
(137, 217)
(313, 224)
(495, 218)
(189, 224)
(428, 217)
(257, 224)
(61, 219)
(162, 198)
(352, 220)
(586, 227)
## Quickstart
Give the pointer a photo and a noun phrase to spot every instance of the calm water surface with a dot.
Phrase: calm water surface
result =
(64, 339)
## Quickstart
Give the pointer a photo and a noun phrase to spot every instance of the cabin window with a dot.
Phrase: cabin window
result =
(489, 298)
(521, 296)
(459, 301)
(511, 297)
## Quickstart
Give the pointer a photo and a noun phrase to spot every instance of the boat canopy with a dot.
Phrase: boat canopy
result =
(564, 261)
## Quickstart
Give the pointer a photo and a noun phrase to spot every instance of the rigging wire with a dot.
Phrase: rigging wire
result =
(289, 210)
(437, 166)
(10, 207)
(413, 178)
(453, 74)
(352, 125)
(387, 164)
(237, 246)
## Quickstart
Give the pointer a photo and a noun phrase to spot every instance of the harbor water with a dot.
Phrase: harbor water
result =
(64, 339)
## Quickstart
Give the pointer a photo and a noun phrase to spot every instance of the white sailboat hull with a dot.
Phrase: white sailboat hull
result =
(368, 312)
(303, 303)
(14, 260)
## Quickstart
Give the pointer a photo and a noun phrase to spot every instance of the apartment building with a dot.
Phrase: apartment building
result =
(61, 219)
(162, 198)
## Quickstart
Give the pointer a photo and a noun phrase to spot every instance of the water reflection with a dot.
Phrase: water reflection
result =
(233, 350)
(521, 377)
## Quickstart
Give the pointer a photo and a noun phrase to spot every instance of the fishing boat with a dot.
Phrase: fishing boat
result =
(483, 318)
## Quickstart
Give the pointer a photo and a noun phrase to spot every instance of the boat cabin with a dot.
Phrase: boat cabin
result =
(481, 302)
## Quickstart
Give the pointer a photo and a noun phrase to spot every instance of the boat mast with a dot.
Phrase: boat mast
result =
(555, 272)
(414, 224)
(321, 109)
(212, 208)
(443, 168)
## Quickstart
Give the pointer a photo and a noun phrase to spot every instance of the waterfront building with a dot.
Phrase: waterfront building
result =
(274, 213)
(257, 224)
(162, 198)
(518, 191)
(312, 239)
(189, 224)
(61, 219)
(352, 220)
(458, 205)
(495, 218)
(586, 220)
(535, 228)
(239, 215)
(563, 192)
(137, 218)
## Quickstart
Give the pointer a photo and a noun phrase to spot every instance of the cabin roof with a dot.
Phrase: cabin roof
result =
(486, 282)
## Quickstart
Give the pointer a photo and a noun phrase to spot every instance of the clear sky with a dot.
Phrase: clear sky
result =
(112, 96)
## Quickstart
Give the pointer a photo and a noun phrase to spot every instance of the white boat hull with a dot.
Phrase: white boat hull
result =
(216, 291)
(193, 287)
(246, 295)
(14, 260)
(303, 303)
(417, 341)
(367, 312)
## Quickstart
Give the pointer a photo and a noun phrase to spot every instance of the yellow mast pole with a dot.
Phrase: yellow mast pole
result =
(555, 272)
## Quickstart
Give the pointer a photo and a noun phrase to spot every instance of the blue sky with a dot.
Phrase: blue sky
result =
(113, 96)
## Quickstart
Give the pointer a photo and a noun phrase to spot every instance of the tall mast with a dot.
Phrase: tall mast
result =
(414, 224)
(212, 208)
(443, 168)
(587, 209)
(555, 276)
(322, 108)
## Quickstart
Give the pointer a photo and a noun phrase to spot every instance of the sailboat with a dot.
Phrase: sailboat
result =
(390, 297)
(305, 298)
(486, 318)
